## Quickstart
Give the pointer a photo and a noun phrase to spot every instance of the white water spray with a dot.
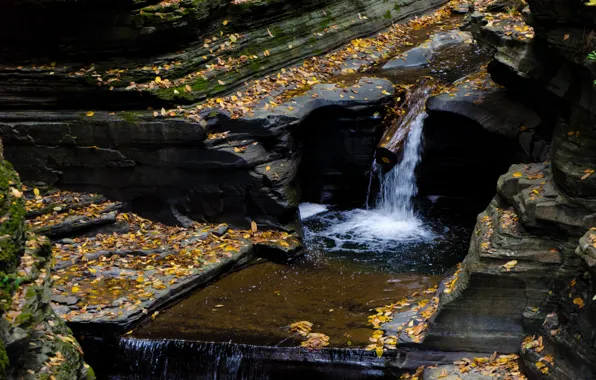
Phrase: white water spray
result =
(398, 187)
(392, 219)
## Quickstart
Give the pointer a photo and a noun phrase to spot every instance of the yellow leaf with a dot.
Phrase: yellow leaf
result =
(218, 306)
(225, 22)
(36, 192)
(140, 279)
(510, 264)
(253, 226)
(154, 315)
(157, 79)
(379, 351)
(74, 289)
(517, 175)
(188, 88)
(588, 172)
(579, 302)
(268, 168)
(90, 113)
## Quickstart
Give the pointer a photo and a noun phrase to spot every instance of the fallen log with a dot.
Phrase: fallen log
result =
(391, 147)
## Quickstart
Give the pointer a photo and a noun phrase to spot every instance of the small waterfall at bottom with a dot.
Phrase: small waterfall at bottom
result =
(171, 359)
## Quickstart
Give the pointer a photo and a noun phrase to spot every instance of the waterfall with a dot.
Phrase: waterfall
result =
(392, 221)
(398, 186)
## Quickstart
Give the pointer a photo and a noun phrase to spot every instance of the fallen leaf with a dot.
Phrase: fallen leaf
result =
(579, 302)
(379, 351)
(509, 265)
(588, 172)
(90, 113)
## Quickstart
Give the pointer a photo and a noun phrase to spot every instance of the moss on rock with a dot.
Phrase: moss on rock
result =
(4, 362)
(12, 215)
(30, 332)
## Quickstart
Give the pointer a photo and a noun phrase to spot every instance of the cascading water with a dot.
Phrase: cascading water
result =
(392, 218)
(398, 187)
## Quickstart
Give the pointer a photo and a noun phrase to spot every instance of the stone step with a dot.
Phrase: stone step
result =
(539, 204)
(58, 202)
(477, 368)
(505, 285)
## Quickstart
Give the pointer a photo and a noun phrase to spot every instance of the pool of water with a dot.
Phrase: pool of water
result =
(345, 274)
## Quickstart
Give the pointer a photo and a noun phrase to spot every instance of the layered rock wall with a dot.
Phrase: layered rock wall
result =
(34, 342)
(525, 272)
(77, 80)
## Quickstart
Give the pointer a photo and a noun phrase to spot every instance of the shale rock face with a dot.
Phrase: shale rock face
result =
(79, 77)
(35, 343)
(125, 40)
(242, 169)
(525, 273)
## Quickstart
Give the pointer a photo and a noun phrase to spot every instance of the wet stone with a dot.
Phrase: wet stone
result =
(110, 281)
(65, 300)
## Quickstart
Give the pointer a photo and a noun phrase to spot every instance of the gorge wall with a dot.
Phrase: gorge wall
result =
(527, 282)
(78, 118)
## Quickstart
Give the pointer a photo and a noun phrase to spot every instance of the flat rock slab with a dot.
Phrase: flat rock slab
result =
(156, 288)
(365, 92)
(479, 368)
(421, 55)
(109, 281)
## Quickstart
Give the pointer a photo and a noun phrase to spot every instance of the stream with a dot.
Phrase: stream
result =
(393, 245)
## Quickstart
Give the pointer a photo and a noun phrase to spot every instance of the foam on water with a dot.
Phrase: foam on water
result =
(308, 210)
(376, 224)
